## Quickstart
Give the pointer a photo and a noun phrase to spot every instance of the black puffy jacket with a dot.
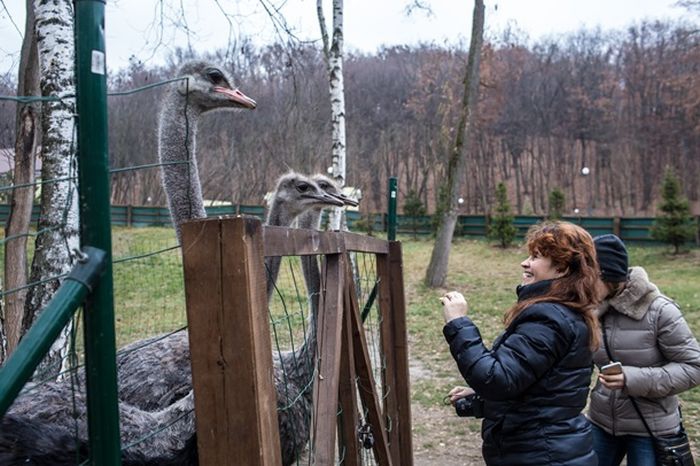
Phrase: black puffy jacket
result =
(534, 381)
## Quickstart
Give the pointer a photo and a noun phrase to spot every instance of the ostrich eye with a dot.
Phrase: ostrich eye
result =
(303, 187)
(216, 76)
(324, 185)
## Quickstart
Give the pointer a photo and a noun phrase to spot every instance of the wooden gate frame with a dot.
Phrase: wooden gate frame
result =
(235, 401)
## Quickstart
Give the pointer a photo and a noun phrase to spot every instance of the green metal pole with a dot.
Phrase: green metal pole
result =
(391, 221)
(95, 230)
(21, 364)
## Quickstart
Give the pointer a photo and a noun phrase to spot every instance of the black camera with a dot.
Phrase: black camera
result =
(470, 406)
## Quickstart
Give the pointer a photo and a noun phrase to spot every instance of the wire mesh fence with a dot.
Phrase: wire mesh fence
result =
(148, 296)
(291, 319)
(156, 406)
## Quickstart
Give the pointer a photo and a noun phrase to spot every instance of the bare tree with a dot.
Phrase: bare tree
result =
(27, 142)
(58, 224)
(333, 52)
(437, 269)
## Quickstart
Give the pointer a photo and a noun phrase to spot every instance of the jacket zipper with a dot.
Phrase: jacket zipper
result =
(613, 393)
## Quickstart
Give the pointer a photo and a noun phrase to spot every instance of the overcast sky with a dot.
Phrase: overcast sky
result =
(369, 24)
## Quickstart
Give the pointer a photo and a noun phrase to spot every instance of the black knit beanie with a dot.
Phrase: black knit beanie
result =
(612, 258)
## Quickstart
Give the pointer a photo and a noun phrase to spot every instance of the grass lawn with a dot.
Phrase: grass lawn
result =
(149, 299)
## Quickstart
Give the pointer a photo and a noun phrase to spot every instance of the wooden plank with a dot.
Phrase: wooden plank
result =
(347, 394)
(282, 241)
(365, 380)
(403, 383)
(363, 243)
(235, 401)
(325, 394)
(386, 329)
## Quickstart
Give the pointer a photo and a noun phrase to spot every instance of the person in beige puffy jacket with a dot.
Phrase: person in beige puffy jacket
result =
(646, 332)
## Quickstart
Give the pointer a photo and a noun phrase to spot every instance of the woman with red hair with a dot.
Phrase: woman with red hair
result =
(532, 384)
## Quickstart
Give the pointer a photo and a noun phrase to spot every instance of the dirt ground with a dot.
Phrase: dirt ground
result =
(435, 443)
(440, 438)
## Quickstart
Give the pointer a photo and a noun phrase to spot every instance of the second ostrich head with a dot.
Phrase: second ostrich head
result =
(294, 194)
(331, 187)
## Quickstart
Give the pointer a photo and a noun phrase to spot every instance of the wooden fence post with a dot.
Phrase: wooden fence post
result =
(365, 379)
(347, 394)
(325, 395)
(230, 346)
(386, 328)
(400, 352)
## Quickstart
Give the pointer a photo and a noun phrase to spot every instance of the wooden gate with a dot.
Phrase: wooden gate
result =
(230, 344)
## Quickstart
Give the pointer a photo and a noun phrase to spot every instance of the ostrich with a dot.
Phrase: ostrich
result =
(154, 373)
(47, 412)
(311, 219)
(50, 407)
(294, 370)
(159, 373)
(295, 194)
(58, 412)
(206, 88)
(23, 443)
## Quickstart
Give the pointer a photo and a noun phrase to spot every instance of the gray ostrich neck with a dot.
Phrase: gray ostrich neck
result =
(311, 220)
(303, 359)
(279, 215)
(177, 143)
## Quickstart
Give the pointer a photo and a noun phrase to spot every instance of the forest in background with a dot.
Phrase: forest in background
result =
(624, 104)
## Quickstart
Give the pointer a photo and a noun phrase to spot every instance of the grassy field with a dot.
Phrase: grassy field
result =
(149, 299)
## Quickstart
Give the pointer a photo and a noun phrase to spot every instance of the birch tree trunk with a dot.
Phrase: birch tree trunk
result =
(58, 224)
(22, 198)
(333, 53)
(437, 269)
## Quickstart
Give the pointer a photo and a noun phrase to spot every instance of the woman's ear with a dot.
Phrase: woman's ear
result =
(562, 272)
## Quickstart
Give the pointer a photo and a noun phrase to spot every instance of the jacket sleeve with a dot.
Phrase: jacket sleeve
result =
(679, 347)
(537, 342)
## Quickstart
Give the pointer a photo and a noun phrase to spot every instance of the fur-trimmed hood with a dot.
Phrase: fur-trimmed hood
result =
(635, 299)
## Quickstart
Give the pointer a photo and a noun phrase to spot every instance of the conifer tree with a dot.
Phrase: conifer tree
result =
(556, 204)
(502, 228)
(674, 224)
(414, 207)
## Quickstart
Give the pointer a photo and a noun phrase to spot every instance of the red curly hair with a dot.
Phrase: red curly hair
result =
(571, 250)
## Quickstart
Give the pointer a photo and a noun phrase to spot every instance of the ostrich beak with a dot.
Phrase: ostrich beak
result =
(325, 198)
(348, 200)
(237, 96)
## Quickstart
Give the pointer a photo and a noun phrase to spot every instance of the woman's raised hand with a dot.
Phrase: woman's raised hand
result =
(454, 305)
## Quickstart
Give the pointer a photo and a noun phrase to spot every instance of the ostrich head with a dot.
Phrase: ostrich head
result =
(296, 193)
(331, 187)
(208, 87)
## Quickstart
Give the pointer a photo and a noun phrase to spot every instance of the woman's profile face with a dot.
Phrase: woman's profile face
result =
(537, 268)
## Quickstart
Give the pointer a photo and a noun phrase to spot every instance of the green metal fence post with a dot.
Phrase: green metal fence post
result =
(95, 230)
(392, 220)
(20, 366)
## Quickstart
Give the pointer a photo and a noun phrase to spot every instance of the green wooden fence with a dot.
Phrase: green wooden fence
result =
(630, 229)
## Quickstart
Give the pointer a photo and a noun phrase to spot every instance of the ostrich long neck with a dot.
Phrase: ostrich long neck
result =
(309, 264)
(177, 142)
(281, 214)
(302, 361)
